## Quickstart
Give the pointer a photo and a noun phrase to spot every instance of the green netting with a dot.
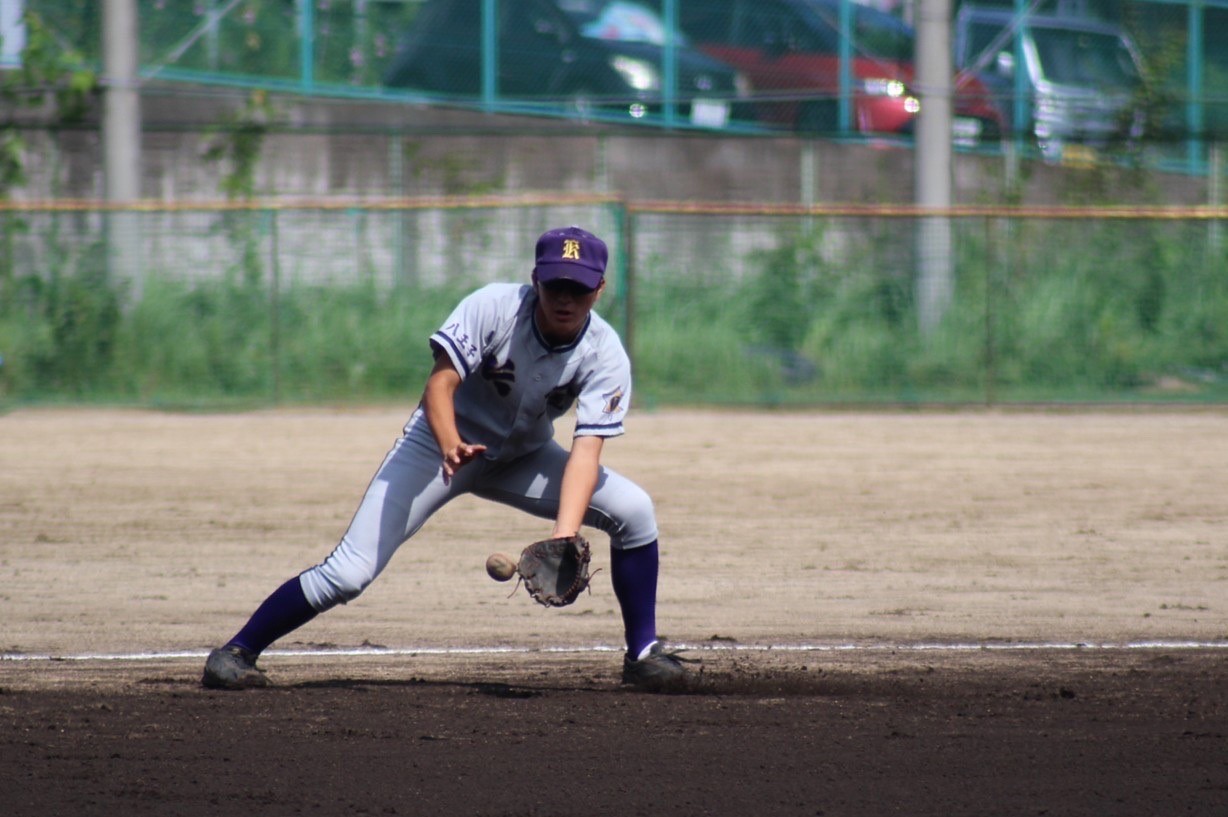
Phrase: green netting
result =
(336, 304)
(828, 310)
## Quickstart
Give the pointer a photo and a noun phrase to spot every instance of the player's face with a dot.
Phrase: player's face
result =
(563, 307)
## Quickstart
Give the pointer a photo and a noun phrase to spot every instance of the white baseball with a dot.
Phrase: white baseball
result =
(500, 567)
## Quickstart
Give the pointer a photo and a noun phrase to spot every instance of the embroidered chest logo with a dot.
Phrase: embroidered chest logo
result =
(501, 377)
(571, 250)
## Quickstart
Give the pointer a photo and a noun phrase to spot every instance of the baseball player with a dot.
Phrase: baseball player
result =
(509, 361)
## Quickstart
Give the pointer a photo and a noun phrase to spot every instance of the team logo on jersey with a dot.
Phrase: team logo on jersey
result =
(500, 376)
(613, 399)
(571, 250)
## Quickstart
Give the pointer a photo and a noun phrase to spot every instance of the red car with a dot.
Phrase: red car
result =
(789, 50)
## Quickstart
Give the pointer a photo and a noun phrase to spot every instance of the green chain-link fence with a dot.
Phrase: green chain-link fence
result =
(1141, 73)
(265, 303)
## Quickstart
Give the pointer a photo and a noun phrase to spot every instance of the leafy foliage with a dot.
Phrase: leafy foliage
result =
(257, 39)
(57, 329)
(1042, 310)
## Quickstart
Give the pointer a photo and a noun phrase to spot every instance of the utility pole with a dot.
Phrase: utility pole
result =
(12, 33)
(935, 285)
(121, 137)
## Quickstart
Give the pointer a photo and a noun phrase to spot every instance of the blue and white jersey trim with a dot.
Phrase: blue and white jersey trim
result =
(447, 345)
(599, 430)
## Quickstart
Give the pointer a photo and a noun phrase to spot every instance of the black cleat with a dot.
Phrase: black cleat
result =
(659, 671)
(232, 667)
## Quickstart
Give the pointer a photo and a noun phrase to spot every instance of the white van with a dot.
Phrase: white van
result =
(1081, 75)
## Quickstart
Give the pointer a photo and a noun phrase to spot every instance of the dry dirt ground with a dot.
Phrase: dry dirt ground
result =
(918, 613)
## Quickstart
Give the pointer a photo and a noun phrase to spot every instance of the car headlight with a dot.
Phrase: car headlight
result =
(638, 74)
(882, 86)
(741, 85)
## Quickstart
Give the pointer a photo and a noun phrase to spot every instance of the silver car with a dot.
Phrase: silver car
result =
(1080, 77)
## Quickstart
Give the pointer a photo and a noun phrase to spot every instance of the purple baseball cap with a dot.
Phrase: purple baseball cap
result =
(572, 254)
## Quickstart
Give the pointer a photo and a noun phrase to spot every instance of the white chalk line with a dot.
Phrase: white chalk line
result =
(353, 652)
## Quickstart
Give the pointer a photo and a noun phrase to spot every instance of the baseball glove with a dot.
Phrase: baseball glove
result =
(555, 571)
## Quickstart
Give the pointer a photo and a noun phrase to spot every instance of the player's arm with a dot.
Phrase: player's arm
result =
(437, 402)
(579, 482)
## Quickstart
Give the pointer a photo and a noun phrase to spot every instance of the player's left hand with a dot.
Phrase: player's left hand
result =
(457, 456)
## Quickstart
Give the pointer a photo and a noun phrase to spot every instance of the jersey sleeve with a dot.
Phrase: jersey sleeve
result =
(462, 335)
(605, 398)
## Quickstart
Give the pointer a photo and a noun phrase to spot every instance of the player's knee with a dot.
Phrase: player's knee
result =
(339, 579)
(349, 587)
(633, 519)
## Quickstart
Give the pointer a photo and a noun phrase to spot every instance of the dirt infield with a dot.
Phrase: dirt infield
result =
(898, 613)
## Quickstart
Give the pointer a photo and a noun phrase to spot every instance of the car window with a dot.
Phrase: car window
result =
(981, 37)
(626, 22)
(1085, 58)
(875, 33)
(982, 44)
(761, 25)
(616, 20)
(437, 19)
(881, 35)
(707, 20)
(528, 20)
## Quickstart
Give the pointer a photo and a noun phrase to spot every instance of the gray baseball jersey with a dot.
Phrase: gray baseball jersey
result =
(515, 385)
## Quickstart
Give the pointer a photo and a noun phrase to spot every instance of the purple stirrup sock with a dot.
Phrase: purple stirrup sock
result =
(633, 573)
(285, 610)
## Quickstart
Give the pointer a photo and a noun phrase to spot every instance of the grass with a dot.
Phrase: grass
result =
(1066, 312)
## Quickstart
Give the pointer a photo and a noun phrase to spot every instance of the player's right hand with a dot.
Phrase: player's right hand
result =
(457, 456)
